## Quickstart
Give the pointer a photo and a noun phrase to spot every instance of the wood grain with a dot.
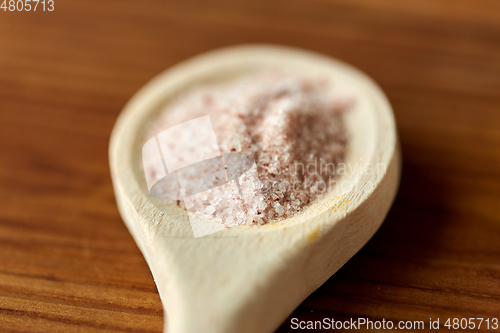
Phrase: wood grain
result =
(67, 262)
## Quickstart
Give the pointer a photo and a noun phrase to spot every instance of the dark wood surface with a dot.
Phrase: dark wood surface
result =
(67, 262)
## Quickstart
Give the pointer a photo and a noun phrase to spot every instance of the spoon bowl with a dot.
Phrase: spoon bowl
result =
(249, 279)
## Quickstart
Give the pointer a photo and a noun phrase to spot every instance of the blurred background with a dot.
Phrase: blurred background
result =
(67, 262)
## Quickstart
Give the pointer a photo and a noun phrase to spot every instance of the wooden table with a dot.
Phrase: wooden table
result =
(67, 262)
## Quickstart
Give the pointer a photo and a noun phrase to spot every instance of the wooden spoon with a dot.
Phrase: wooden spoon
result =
(249, 279)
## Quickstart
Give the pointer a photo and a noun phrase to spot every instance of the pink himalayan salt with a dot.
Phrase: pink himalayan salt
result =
(291, 125)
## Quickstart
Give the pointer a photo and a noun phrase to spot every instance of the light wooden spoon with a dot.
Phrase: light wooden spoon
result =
(249, 279)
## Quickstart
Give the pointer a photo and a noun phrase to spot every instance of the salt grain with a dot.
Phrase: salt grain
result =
(289, 124)
(209, 210)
